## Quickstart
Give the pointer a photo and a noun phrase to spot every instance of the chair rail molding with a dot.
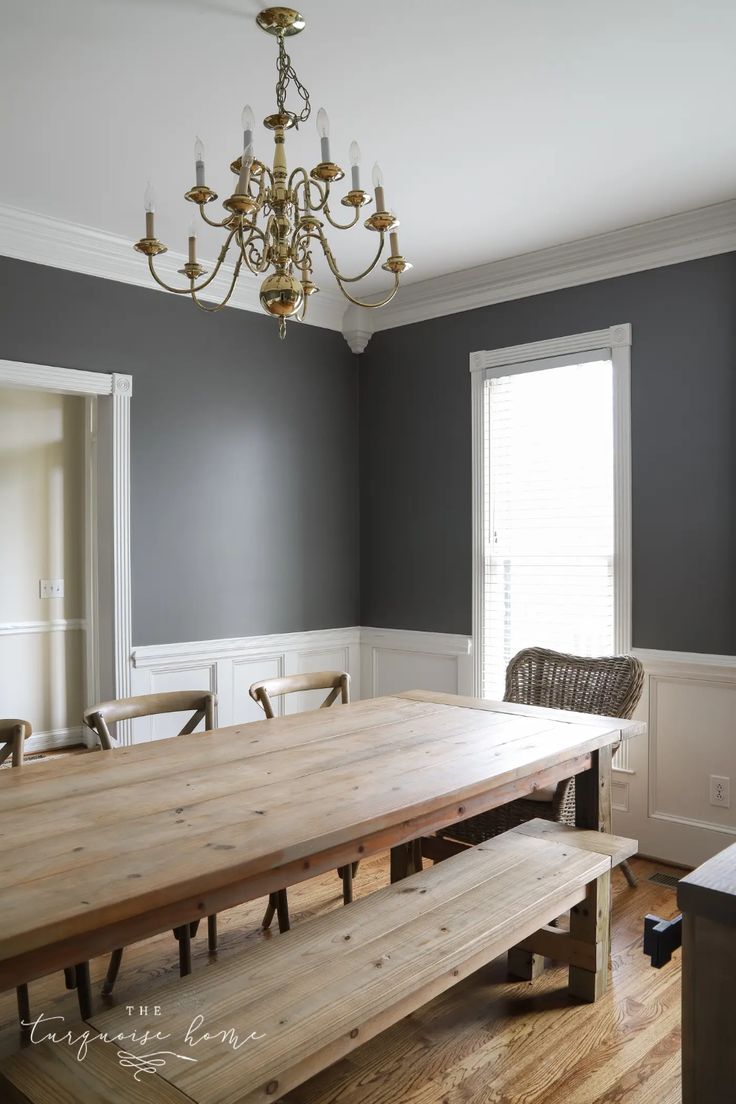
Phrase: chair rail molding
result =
(107, 507)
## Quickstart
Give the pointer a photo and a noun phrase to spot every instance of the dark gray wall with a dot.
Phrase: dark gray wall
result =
(244, 451)
(415, 457)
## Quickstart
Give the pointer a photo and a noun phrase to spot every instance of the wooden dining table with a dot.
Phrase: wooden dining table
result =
(105, 848)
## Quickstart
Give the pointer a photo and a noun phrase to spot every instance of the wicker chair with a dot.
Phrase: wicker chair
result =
(608, 685)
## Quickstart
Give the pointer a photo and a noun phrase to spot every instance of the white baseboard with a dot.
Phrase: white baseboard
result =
(55, 739)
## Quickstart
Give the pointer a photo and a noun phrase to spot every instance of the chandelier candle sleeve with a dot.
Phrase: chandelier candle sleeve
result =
(323, 129)
(355, 165)
(149, 200)
(193, 242)
(199, 162)
(378, 187)
(248, 122)
(244, 178)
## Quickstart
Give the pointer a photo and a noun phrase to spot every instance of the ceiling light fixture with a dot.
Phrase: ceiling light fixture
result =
(291, 207)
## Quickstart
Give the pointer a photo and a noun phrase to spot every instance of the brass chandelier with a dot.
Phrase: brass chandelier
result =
(292, 208)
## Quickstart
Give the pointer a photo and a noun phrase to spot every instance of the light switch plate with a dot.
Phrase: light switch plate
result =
(51, 588)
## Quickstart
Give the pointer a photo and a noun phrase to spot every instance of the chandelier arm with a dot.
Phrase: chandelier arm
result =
(231, 289)
(212, 222)
(191, 289)
(333, 266)
(372, 306)
(341, 225)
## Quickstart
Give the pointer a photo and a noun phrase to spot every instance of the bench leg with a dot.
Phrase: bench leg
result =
(346, 872)
(24, 1007)
(525, 964)
(590, 922)
(282, 910)
(406, 859)
(184, 939)
(212, 934)
(113, 968)
(84, 990)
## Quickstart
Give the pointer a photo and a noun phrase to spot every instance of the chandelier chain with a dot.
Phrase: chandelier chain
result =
(287, 76)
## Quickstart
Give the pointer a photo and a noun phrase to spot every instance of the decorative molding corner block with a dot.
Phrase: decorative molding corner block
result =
(49, 241)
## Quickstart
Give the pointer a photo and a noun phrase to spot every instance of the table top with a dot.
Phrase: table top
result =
(90, 840)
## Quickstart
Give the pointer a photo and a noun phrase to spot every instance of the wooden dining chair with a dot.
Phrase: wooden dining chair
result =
(607, 685)
(337, 683)
(13, 735)
(99, 718)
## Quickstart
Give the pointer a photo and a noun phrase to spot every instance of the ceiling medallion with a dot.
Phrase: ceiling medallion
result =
(273, 217)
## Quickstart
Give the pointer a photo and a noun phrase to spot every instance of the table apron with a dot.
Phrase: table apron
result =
(46, 959)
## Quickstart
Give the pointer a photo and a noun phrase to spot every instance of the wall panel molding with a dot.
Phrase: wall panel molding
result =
(55, 624)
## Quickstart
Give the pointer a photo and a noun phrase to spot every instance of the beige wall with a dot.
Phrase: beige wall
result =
(42, 512)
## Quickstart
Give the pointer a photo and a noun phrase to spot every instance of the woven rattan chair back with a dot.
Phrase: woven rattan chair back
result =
(198, 702)
(336, 682)
(609, 685)
(13, 734)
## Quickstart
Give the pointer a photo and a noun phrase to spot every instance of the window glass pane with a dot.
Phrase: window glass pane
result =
(549, 514)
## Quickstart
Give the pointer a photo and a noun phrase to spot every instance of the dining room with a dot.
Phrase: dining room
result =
(367, 604)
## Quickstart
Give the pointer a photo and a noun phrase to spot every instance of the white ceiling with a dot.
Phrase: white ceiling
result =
(502, 126)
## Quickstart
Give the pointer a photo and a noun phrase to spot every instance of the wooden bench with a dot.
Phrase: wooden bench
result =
(316, 993)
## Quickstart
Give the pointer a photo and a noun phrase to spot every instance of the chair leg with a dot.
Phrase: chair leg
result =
(183, 935)
(347, 884)
(282, 908)
(70, 979)
(112, 971)
(273, 900)
(24, 1007)
(84, 990)
(629, 874)
(212, 934)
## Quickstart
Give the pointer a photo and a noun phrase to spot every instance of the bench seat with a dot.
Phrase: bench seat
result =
(322, 989)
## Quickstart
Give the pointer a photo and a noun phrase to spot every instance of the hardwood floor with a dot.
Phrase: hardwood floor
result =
(486, 1041)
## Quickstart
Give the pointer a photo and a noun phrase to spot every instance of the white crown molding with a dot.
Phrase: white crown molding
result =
(666, 241)
(49, 241)
(683, 237)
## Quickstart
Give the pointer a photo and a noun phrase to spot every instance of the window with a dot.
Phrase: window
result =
(551, 500)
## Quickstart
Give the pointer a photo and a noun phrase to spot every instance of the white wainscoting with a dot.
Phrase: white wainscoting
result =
(689, 704)
(229, 667)
(660, 781)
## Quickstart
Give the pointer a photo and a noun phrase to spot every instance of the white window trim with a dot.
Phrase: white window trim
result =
(613, 343)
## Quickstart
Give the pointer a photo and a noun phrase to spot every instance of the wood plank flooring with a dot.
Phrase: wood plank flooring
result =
(486, 1041)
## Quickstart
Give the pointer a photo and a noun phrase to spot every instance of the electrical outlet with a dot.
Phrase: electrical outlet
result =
(51, 588)
(720, 791)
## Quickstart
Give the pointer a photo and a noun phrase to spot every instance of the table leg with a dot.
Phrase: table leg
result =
(593, 793)
(406, 859)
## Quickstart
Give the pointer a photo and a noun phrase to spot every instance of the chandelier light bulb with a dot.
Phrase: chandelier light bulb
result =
(377, 176)
(193, 228)
(355, 165)
(248, 122)
(198, 149)
(323, 129)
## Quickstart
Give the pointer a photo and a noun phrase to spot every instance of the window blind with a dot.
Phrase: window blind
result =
(548, 499)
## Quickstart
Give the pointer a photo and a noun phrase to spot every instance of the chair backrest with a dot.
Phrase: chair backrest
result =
(610, 685)
(13, 733)
(202, 703)
(337, 682)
